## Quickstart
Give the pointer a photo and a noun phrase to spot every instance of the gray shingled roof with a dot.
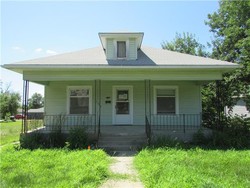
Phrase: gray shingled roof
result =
(147, 56)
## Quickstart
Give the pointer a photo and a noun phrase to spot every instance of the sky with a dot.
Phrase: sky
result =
(34, 29)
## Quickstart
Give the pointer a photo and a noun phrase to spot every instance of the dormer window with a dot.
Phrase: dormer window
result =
(121, 49)
(121, 45)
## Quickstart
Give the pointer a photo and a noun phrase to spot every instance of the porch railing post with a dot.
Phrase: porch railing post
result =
(184, 123)
(25, 105)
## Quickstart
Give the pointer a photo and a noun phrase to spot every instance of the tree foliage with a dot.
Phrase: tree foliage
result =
(185, 43)
(9, 102)
(36, 101)
(231, 27)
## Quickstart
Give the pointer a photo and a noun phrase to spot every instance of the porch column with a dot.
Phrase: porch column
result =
(97, 105)
(25, 105)
(148, 99)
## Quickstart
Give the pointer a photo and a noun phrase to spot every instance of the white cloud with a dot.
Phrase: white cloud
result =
(38, 50)
(51, 52)
(17, 48)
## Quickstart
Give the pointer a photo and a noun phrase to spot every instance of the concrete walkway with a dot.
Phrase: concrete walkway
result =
(123, 166)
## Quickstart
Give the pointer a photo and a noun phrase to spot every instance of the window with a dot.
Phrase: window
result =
(121, 49)
(79, 100)
(166, 100)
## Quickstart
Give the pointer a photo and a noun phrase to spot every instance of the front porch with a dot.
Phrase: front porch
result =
(146, 109)
(180, 126)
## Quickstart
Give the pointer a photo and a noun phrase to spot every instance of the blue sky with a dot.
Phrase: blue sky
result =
(34, 29)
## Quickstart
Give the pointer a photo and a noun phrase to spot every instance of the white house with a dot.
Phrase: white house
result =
(239, 109)
(122, 82)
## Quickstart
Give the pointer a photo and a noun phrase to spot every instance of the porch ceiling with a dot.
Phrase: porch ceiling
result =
(122, 74)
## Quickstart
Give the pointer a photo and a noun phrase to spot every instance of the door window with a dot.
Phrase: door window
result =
(122, 102)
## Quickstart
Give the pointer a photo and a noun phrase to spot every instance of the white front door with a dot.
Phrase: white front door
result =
(122, 105)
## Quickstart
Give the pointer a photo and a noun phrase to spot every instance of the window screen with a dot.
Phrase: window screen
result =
(79, 101)
(165, 101)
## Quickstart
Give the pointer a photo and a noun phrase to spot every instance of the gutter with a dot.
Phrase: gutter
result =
(60, 67)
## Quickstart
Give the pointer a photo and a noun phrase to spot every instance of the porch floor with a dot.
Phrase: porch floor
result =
(122, 130)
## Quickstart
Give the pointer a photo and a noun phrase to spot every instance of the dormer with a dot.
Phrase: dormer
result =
(121, 45)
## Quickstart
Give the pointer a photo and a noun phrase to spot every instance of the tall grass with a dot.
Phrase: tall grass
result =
(52, 168)
(194, 168)
(10, 132)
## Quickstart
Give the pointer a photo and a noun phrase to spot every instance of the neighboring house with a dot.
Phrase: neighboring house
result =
(123, 83)
(239, 109)
(36, 113)
(32, 113)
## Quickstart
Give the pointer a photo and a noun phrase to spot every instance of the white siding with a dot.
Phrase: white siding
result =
(239, 109)
(130, 48)
(189, 95)
(132, 53)
(138, 101)
(110, 49)
(56, 97)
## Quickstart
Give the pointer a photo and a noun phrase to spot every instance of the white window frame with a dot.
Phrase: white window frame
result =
(116, 48)
(79, 87)
(176, 88)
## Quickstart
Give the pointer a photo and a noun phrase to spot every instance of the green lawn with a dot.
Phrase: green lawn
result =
(194, 168)
(10, 132)
(52, 168)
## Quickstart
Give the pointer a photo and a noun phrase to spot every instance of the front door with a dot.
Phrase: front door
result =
(122, 105)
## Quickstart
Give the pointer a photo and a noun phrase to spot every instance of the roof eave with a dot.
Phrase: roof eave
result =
(39, 67)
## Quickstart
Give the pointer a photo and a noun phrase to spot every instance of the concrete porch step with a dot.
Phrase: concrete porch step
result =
(122, 143)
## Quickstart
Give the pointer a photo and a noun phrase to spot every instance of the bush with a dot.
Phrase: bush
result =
(78, 138)
(41, 140)
(234, 134)
(31, 141)
(199, 138)
(231, 137)
(55, 140)
(164, 141)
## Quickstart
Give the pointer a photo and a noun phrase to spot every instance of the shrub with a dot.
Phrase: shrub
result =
(55, 140)
(78, 138)
(31, 141)
(199, 138)
(232, 133)
(41, 140)
(164, 141)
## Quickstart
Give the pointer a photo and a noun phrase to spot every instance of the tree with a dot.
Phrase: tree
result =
(36, 101)
(188, 44)
(231, 27)
(185, 44)
(9, 101)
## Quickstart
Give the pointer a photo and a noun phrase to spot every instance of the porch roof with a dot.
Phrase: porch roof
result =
(148, 57)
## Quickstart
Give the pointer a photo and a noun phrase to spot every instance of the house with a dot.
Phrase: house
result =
(36, 113)
(239, 109)
(123, 87)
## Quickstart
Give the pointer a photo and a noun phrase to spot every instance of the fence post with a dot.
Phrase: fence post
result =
(184, 123)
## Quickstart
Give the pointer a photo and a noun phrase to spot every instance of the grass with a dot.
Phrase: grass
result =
(194, 168)
(52, 168)
(10, 132)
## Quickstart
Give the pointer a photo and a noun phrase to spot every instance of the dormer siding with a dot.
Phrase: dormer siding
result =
(123, 46)
(110, 49)
(132, 49)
